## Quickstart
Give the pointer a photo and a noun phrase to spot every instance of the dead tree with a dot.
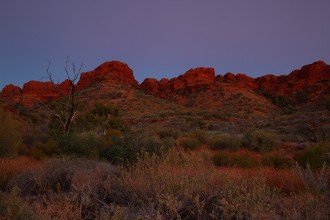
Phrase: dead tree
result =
(69, 104)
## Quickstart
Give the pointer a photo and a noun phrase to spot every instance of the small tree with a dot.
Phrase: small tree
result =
(313, 127)
(66, 109)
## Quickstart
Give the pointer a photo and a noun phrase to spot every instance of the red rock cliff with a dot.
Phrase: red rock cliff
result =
(113, 72)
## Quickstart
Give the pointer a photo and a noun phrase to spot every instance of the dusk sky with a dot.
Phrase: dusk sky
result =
(161, 38)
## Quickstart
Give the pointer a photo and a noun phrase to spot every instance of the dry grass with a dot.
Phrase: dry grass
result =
(176, 186)
(9, 167)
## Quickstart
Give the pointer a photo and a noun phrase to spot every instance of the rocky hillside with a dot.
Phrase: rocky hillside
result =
(309, 84)
(199, 87)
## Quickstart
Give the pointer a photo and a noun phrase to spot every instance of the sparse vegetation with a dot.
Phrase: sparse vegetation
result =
(259, 140)
(10, 135)
(231, 154)
(314, 156)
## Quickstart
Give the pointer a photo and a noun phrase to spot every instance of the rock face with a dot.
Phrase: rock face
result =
(313, 79)
(113, 72)
(307, 84)
(33, 92)
(192, 79)
(11, 90)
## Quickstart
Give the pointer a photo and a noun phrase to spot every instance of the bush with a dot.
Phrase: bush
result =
(221, 159)
(41, 150)
(259, 140)
(13, 207)
(126, 148)
(166, 133)
(58, 175)
(10, 135)
(195, 139)
(239, 159)
(314, 155)
(105, 110)
(277, 160)
(223, 141)
(328, 103)
(81, 145)
(190, 143)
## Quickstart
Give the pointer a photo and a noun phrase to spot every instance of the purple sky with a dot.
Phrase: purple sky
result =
(162, 38)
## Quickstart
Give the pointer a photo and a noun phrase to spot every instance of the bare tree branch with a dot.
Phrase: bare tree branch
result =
(69, 107)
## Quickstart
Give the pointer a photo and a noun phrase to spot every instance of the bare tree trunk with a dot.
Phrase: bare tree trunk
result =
(69, 108)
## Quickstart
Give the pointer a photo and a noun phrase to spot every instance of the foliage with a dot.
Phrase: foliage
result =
(125, 148)
(224, 141)
(313, 126)
(328, 103)
(281, 101)
(105, 110)
(302, 96)
(10, 135)
(190, 143)
(14, 207)
(81, 145)
(168, 133)
(41, 150)
(314, 156)
(238, 159)
(195, 139)
(277, 160)
(171, 186)
(259, 140)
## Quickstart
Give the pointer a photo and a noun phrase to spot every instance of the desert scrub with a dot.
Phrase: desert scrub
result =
(277, 160)
(259, 140)
(313, 202)
(243, 159)
(10, 135)
(14, 207)
(10, 167)
(195, 139)
(168, 133)
(222, 141)
(315, 155)
(187, 187)
(56, 175)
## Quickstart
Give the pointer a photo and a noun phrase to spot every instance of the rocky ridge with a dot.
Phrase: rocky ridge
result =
(33, 92)
(312, 80)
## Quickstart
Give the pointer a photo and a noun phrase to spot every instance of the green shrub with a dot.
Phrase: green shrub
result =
(314, 155)
(201, 136)
(13, 207)
(221, 159)
(41, 150)
(167, 132)
(328, 103)
(259, 140)
(277, 160)
(190, 143)
(81, 145)
(223, 141)
(195, 139)
(10, 135)
(126, 148)
(104, 110)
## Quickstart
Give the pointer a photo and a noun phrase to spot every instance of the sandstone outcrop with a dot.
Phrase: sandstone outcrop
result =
(113, 72)
(312, 80)
(193, 78)
(33, 92)
(11, 90)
